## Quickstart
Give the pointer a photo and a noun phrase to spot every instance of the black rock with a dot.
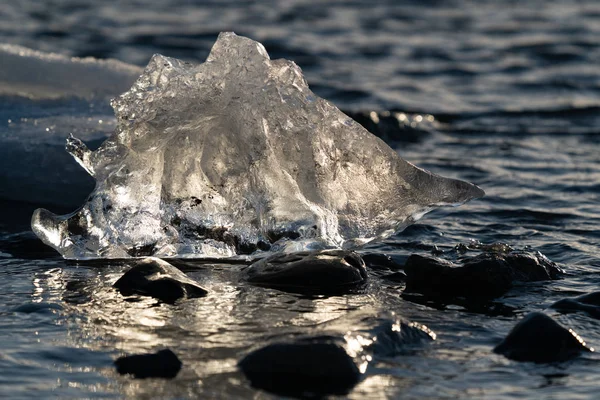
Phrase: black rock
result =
(531, 267)
(589, 303)
(319, 272)
(157, 278)
(486, 276)
(163, 364)
(392, 337)
(538, 338)
(397, 277)
(304, 368)
(439, 278)
(380, 261)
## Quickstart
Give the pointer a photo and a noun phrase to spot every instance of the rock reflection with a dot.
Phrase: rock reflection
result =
(210, 334)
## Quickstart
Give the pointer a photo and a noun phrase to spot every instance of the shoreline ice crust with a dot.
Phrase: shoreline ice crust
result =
(236, 157)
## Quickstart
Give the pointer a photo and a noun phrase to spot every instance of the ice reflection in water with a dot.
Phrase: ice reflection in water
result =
(210, 335)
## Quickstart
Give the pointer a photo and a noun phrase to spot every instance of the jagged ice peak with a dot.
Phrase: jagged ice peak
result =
(237, 157)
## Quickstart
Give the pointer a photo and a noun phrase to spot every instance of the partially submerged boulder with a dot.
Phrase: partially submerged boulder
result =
(318, 272)
(532, 267)
(332, 362)
(397, 277)
(538, 338)
(157, 278)
(391, 337)
(379, 261)
(486, 276)
(313, 367)
(440, 278)
(163, 364)
(588, 303)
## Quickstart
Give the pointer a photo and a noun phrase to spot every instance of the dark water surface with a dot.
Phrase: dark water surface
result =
(504, 94)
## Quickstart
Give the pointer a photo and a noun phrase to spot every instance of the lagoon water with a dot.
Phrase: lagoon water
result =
(504, 94)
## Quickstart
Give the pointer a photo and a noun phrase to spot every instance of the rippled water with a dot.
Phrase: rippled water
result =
(513, 91)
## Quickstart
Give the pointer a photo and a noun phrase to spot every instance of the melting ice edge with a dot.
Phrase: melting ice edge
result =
(237, 157)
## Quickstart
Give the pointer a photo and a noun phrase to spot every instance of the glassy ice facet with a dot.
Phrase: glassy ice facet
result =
(236, 156)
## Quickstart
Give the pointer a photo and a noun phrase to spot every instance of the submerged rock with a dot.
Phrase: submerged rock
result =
(157, 278)
(319, 272)
(232, 156)
(163, 364)
(588, 303)
(397, 277)
(305, 368)
(333, 362)
(390, 337)
(378, 261)
(440, 278)
(532, 267)
(540, 339)
(486, 276)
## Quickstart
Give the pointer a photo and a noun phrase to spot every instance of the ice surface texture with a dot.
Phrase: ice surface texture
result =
(233, 157)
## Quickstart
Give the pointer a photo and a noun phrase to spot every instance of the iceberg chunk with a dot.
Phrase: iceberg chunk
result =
(233, 157)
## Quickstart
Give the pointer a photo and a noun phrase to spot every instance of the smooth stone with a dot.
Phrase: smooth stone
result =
(440, 278)
(157, 278)
(319, 272)
(391, 337)
(163, 364)
(397, 277)
(380, 261)
(486, 276)
(303, 368)
(589, 303)
(540, 339)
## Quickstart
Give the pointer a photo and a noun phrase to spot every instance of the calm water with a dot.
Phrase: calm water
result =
(501, 93)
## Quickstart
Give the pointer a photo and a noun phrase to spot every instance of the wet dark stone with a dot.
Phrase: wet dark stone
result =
(380, 261)
(304, 368)
(531, 267)
(439, 278)
(392, 337)
(486, 276)
(157, 278)
(319, 272)
(397, 277)
(163, 364)
(538, 338)
(588, 303)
